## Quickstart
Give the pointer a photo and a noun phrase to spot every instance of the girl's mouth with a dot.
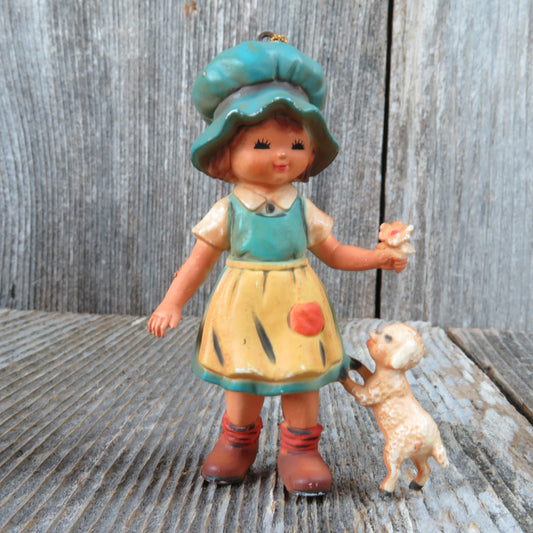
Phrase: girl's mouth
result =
(281, 167)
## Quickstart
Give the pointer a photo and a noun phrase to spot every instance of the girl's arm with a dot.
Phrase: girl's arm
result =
(188, 279)
(345, 257)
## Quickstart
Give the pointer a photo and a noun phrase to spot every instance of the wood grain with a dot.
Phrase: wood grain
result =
(506, 357)
(459, 162)
(98, 194)
(104, 428)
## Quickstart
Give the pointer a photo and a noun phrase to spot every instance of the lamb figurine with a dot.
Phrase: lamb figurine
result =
(409, 431)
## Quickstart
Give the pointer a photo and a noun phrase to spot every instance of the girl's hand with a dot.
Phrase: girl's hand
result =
(162, 318)
(188, 278)
(390, 260)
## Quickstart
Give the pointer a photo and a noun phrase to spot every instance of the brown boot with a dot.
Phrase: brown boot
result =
(300, 466)
(233, 453)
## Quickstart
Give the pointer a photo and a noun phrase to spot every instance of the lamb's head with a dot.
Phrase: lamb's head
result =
(397, 346)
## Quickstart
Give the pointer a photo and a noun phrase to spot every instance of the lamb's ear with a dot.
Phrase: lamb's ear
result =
(408, 355)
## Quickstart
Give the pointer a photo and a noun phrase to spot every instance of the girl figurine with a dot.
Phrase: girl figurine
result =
(269, 328)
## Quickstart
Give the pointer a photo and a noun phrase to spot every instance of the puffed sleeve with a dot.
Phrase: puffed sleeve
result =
(213, 228)
(319, 224)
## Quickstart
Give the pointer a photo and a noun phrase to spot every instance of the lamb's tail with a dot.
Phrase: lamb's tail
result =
(439, 454)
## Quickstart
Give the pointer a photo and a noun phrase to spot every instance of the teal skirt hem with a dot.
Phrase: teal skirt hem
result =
(263, 388)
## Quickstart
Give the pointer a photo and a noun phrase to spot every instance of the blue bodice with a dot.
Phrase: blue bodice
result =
(257, 236)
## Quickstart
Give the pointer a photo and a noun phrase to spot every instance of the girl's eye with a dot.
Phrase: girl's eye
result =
(298, 145)
(262, 144)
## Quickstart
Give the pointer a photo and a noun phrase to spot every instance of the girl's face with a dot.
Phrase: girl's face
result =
(270, 155)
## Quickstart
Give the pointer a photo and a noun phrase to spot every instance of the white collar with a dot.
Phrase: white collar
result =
(284, 197)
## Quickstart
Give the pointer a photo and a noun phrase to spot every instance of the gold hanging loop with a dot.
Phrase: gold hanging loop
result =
(272, 36)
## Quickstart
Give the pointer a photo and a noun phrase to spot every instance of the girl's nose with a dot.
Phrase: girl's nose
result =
(282, 154)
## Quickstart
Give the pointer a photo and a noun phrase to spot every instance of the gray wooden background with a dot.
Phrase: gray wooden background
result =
(430, 100)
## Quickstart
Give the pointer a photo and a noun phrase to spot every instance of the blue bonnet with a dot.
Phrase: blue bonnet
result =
(246, 84)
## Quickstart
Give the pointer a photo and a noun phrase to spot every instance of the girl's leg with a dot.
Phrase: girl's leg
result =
(236, 447)
(300, 410)
(242, 409)
(300, 466)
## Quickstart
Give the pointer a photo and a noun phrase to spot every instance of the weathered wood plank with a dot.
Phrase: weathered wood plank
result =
(97, 193)
(459, 162)
(505, 356)
(96, 121)
(104, 428)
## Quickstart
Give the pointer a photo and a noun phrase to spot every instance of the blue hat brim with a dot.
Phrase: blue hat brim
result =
(252, 109)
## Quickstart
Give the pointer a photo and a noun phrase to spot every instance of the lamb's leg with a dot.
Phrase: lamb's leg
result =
(394, 465)
(422, 474)
(362, 370)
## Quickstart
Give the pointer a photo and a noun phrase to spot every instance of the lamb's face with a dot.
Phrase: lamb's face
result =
(397, 346)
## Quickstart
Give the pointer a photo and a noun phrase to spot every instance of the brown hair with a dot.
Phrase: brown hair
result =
(220, 163)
